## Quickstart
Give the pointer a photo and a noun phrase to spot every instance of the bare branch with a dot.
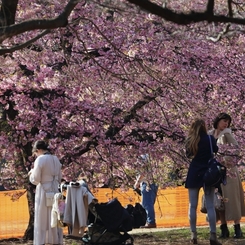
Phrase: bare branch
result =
(185, 19)
(230, 8)
(216, 39)
(23, 45)
(210, 7)
(39, 24)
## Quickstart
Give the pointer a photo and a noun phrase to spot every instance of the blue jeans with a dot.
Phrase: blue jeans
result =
(193, 202)
(148, 200)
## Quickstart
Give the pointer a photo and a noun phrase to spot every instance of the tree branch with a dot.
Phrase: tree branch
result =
(114, 130)
(210, 7)
(185, 19)
(38, 24)
(23, 45)
(230, 8)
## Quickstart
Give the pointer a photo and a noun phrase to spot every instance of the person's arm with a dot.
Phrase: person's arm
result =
(138, 180)
(230, 139)
(230, 148)
(35, 173)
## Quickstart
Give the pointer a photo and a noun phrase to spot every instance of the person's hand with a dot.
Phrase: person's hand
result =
(136, 185)
(29, 173)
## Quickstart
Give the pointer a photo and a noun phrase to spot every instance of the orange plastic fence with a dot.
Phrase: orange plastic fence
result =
(171, 209)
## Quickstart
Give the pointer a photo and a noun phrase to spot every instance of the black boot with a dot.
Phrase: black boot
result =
(238, 232)
(224, 231)
(194, 237)
(213, 239)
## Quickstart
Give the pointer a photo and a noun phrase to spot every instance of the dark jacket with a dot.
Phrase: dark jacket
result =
(199, 164)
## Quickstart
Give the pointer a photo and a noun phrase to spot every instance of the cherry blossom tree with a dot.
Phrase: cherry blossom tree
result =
(106, 81)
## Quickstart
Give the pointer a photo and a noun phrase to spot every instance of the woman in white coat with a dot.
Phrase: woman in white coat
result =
(46, 175)
(233, 190)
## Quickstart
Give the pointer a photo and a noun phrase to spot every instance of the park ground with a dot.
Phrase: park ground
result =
(159, 236)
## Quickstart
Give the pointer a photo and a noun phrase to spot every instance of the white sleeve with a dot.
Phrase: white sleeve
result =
(35, 176)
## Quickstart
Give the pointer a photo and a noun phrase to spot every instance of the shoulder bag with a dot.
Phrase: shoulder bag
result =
(216, 172)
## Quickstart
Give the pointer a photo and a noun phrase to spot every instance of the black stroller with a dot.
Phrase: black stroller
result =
(109, 225)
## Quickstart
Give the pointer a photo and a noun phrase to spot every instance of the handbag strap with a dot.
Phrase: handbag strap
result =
(211, 147)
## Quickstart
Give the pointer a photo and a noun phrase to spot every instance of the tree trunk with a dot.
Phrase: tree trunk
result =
(7, 12)
(31, 201)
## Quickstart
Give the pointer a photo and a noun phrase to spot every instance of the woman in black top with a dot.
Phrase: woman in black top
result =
(198, 149)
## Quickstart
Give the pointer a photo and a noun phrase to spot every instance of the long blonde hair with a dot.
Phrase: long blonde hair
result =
(193, 137)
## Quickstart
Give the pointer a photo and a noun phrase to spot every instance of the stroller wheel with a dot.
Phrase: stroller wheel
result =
(86, 239)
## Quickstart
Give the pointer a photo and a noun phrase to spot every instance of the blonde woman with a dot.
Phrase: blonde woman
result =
(198, 149)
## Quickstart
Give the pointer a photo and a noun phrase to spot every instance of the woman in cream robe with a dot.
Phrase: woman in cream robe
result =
(233, 190)
(46, 175)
